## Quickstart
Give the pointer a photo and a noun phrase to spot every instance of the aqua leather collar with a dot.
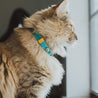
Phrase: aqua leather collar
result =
(42, 42)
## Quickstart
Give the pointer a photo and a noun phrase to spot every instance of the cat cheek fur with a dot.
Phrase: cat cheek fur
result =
(60, 51)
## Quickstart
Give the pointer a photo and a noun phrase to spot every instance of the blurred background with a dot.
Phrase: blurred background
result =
(81, 63)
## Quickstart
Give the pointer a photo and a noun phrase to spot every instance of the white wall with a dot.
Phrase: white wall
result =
(78, 56)
(94, 54)
(94, 47)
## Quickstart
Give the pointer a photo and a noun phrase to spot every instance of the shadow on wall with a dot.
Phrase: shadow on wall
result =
(17, 17)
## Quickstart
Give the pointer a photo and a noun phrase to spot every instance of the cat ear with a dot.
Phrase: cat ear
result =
(61, 9)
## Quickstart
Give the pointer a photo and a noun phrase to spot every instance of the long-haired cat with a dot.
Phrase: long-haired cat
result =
(26, 69)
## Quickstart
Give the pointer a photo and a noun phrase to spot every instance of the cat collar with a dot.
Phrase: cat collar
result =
(42, 42)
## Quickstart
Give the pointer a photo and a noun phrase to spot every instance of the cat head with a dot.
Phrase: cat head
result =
(54, 25)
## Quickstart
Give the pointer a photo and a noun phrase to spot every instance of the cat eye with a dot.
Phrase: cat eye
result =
(64, 19)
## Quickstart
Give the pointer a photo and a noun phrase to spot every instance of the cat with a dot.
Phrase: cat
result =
(26, 69)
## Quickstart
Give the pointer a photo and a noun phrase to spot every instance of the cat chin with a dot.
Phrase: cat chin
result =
(73, 44)
(60, 51)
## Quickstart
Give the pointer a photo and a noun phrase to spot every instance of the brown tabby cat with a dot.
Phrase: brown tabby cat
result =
(26, 70)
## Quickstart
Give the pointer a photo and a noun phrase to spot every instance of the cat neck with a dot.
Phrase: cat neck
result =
(40, 55)
(29, 42)
(26, 39)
